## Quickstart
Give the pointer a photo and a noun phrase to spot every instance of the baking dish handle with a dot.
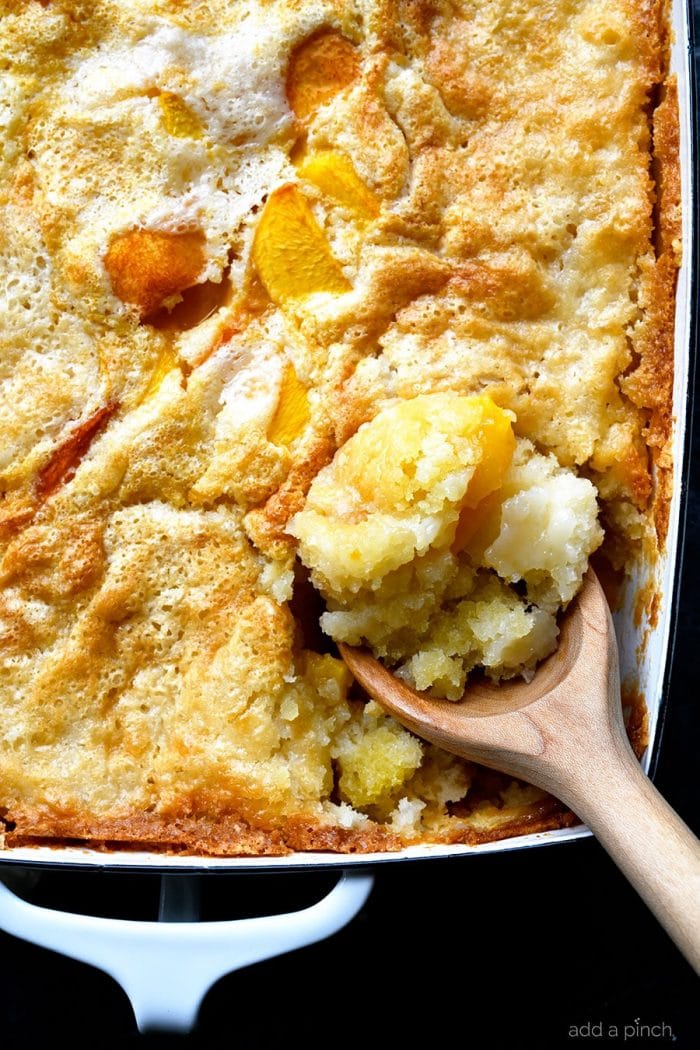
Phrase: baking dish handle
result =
(167, 967)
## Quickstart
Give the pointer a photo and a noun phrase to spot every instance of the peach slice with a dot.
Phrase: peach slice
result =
(147, 266)
(494, 435)
(497, 441)
(320, 668)
(335, 176)
(319, 68)
(386, 463)
(179, 120)
(18, 508)
(292, 412)
(167, 361)
(65, 459)
(290, 250)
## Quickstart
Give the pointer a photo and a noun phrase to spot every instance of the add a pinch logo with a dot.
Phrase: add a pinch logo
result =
(624, 1032)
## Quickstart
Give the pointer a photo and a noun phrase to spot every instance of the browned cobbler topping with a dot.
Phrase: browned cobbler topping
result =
(322, 320)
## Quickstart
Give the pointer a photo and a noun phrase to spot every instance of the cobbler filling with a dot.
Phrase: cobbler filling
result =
(445, 543)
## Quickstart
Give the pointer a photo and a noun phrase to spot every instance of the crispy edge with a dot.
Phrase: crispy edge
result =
(231, 836)
(658, 357)
(651, 385)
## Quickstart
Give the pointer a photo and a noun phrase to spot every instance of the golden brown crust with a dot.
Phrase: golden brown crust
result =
(154, 665)
(651, 385)
(17, 509)
(56, 566)
(546, 815)
(230, 836)
(234, 837)
(636, 719)
(230, 839)
(267, 525)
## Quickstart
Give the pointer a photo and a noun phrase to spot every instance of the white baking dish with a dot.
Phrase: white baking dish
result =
(167, 967)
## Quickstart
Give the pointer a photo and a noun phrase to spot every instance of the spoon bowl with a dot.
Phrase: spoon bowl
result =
(564, 732)
(509, 724)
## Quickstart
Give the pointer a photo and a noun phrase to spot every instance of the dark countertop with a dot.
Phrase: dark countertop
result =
(537, 948)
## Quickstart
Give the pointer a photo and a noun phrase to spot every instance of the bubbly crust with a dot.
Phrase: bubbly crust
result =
(171, 385)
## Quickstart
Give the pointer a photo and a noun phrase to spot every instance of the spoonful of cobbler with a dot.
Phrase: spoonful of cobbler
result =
(442, 541)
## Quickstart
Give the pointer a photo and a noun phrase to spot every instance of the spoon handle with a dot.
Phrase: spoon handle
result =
(649, 842)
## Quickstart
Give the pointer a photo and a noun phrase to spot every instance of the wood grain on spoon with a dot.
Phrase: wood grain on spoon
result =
(564, 732)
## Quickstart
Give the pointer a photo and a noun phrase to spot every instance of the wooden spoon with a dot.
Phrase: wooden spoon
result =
(564, 732)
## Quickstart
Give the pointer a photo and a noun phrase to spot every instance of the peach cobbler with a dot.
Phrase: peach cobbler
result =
(322, 321)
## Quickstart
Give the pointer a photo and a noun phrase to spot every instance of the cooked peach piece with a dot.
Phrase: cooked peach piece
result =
(290, 250)
(65, 459)
(335, 176)
(386, 460)
(147, 266)
(320, 67)
(178, 119)
(496, 434)
(292, 412)
(167, 361)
